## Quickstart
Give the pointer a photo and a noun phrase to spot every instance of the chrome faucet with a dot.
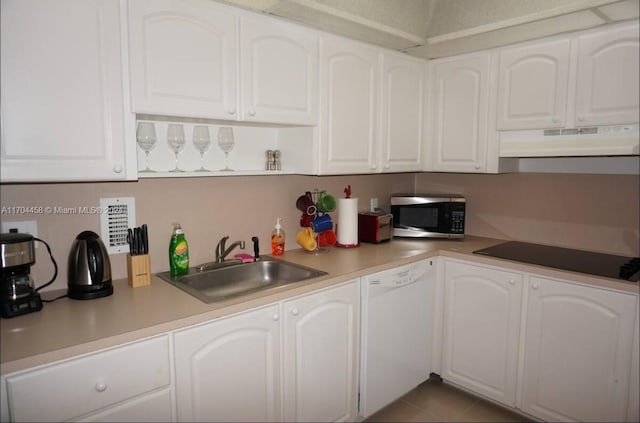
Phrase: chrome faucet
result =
(222, 253)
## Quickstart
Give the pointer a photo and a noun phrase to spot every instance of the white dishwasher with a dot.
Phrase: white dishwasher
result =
(397, 319)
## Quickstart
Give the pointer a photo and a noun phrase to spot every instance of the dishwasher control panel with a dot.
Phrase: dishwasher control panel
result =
(403, 275)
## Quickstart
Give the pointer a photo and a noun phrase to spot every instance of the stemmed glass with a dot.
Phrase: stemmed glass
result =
(226, 143)
(175, 139)
(201, 141)
(146, 137)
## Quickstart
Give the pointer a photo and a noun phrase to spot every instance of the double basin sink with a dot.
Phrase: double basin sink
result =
(223, 281)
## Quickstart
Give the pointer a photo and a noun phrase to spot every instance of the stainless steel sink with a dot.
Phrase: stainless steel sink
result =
(233, 280)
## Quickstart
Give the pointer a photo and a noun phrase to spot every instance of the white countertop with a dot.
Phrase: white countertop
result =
(66, 328)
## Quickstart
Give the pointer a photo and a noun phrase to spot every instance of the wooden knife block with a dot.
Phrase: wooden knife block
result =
(138, 270)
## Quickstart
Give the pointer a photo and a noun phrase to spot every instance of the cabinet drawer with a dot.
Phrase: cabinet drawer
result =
(75, 387)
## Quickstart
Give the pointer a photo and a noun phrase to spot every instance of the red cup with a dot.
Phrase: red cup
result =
(327, 238)
(305, 220)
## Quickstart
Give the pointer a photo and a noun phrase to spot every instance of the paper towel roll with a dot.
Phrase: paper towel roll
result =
(348, 221)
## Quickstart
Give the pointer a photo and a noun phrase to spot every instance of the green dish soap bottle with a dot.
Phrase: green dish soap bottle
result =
(178, 252)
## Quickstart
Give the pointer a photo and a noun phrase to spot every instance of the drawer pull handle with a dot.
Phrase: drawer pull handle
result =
(275, 317)
(295, 311)
(101, 386)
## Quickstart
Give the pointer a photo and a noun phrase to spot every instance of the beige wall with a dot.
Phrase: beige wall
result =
(207, 208)
(592, 212)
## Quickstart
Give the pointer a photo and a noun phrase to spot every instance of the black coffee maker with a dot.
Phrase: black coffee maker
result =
(17, 294)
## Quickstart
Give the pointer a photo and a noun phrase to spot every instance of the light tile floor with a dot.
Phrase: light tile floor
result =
(434, 401)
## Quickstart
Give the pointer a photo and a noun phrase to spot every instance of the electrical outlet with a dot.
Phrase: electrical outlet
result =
(23, 226)
(374, 204)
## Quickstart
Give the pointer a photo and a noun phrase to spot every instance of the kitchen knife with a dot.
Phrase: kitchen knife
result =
(145, 239)
(130, 240)
(136, 240)
(140, 244)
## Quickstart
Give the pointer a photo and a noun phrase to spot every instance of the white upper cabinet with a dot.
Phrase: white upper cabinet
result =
(196, 58)
(372, 108)
(64, 92)
(607, 90)
(349, 77)
(183, 58)
(533, 84)
(569, 82)
(459, 107)
(402, 112)
(279, 63)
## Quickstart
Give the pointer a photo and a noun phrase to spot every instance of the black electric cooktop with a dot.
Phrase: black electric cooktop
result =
(610, 266)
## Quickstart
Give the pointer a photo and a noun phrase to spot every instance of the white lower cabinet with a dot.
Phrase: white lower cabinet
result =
(127, 383)
(557, 350)
(230, 369)
(320, 355)
(482, 307)
(578, 352)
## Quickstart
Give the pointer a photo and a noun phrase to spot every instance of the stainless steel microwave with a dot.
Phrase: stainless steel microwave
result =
(428, 215)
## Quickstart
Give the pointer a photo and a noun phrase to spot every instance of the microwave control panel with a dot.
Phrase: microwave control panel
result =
(457, 218)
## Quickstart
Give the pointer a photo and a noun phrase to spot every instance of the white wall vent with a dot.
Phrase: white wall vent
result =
(117, 215)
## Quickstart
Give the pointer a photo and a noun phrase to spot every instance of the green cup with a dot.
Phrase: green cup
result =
(326, 202)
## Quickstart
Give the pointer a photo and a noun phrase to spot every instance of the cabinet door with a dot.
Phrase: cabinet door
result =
(459, 103)
(348, 98)
(63, 102)
(228, 370)
(482, 309)
(533, 84)
(320, 356)
(607, 82)
(183, 58)
(402, 113)
(578, 352)
(279, 72)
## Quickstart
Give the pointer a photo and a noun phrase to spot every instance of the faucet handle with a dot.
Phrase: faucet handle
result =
(220, 248)
(256, 248)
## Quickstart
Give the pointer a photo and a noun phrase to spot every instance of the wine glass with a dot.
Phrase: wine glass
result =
(202, 142)
(226, 143)
(146, 137)
(175, 138)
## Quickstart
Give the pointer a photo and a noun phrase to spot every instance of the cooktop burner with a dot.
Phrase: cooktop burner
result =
(611, 266)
